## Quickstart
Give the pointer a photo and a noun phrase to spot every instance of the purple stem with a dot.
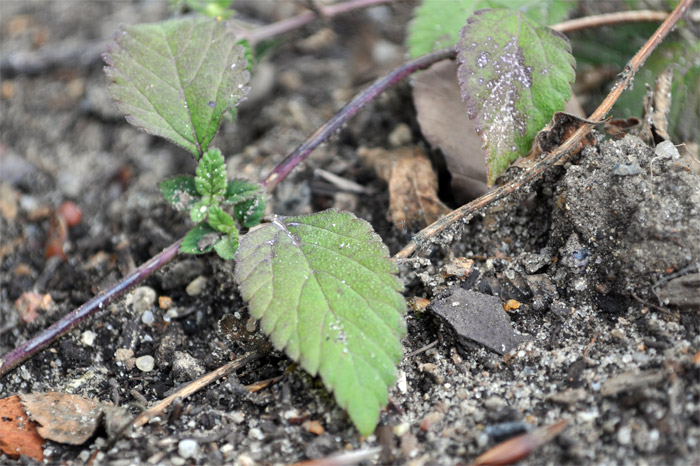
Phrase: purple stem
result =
(261, 33)
(59, 328)
(321, 134)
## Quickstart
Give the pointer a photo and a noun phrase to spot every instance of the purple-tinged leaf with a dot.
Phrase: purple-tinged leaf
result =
(514, 74)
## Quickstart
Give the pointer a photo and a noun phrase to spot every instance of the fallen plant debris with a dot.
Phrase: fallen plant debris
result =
(520, 447)
(18, 433)
(71, 419)
(413, 185)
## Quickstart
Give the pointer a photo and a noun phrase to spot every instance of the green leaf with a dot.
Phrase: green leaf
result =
(199, 211)
(211, 174)
(200, 239)
(436, 23)
(220, 220)
(227, 246)
(514, 74)
(177, 78)
(180, 192)
(240, 190)
(326, 292)
(212, 8)
(250, 213)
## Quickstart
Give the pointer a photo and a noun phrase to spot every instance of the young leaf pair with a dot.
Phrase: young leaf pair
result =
(203, 196)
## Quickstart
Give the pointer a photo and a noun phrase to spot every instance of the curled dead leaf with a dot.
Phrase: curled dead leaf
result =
(71, 419)
(412, 182)
(30, 303)
(18, 434)
(445, 124)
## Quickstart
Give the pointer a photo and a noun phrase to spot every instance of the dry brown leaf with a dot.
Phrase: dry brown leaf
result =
(70, 419)
(30, 303)
(412, 182)
(444, 122)
(619, 127)
(18, 435)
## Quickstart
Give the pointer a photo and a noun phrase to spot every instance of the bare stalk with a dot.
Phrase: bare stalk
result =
(69, 321)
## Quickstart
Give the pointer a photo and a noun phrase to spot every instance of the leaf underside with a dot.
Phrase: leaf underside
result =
(326, 292)
(180, 192)
(436, 23)
(514, 74)
(177, 78)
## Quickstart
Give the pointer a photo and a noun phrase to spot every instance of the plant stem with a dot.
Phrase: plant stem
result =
(588, 22)
(321, 134)
(69, 321)
(257, 35)
(570, 147)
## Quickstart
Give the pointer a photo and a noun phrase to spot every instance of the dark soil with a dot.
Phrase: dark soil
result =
(589, 252)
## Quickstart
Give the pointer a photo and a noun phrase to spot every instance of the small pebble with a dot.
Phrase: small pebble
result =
(227, 450)
(256, 433)
(142, 298)
(623, 169)
(313, 427)
(624, 435)
(165, 302)
(148, 318)
(401, 382)
(401, 429)
(494, 403)
(401, 135)
(617, 334)
(122, 354)
(196, 286)
(667, 149)
(88, 338)
(250, 325)
(145, 363)
(187, 448)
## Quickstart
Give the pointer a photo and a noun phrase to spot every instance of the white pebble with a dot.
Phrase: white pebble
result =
(145, 363)
(88, 337)
(187, 448)
(624, 435)
(142, 298)
(256, 433)
(148, 318)
(196, 286)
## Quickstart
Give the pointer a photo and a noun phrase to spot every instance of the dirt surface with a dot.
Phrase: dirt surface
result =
(593, 254)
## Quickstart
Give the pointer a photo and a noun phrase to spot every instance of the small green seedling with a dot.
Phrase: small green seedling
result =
(322, 285)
